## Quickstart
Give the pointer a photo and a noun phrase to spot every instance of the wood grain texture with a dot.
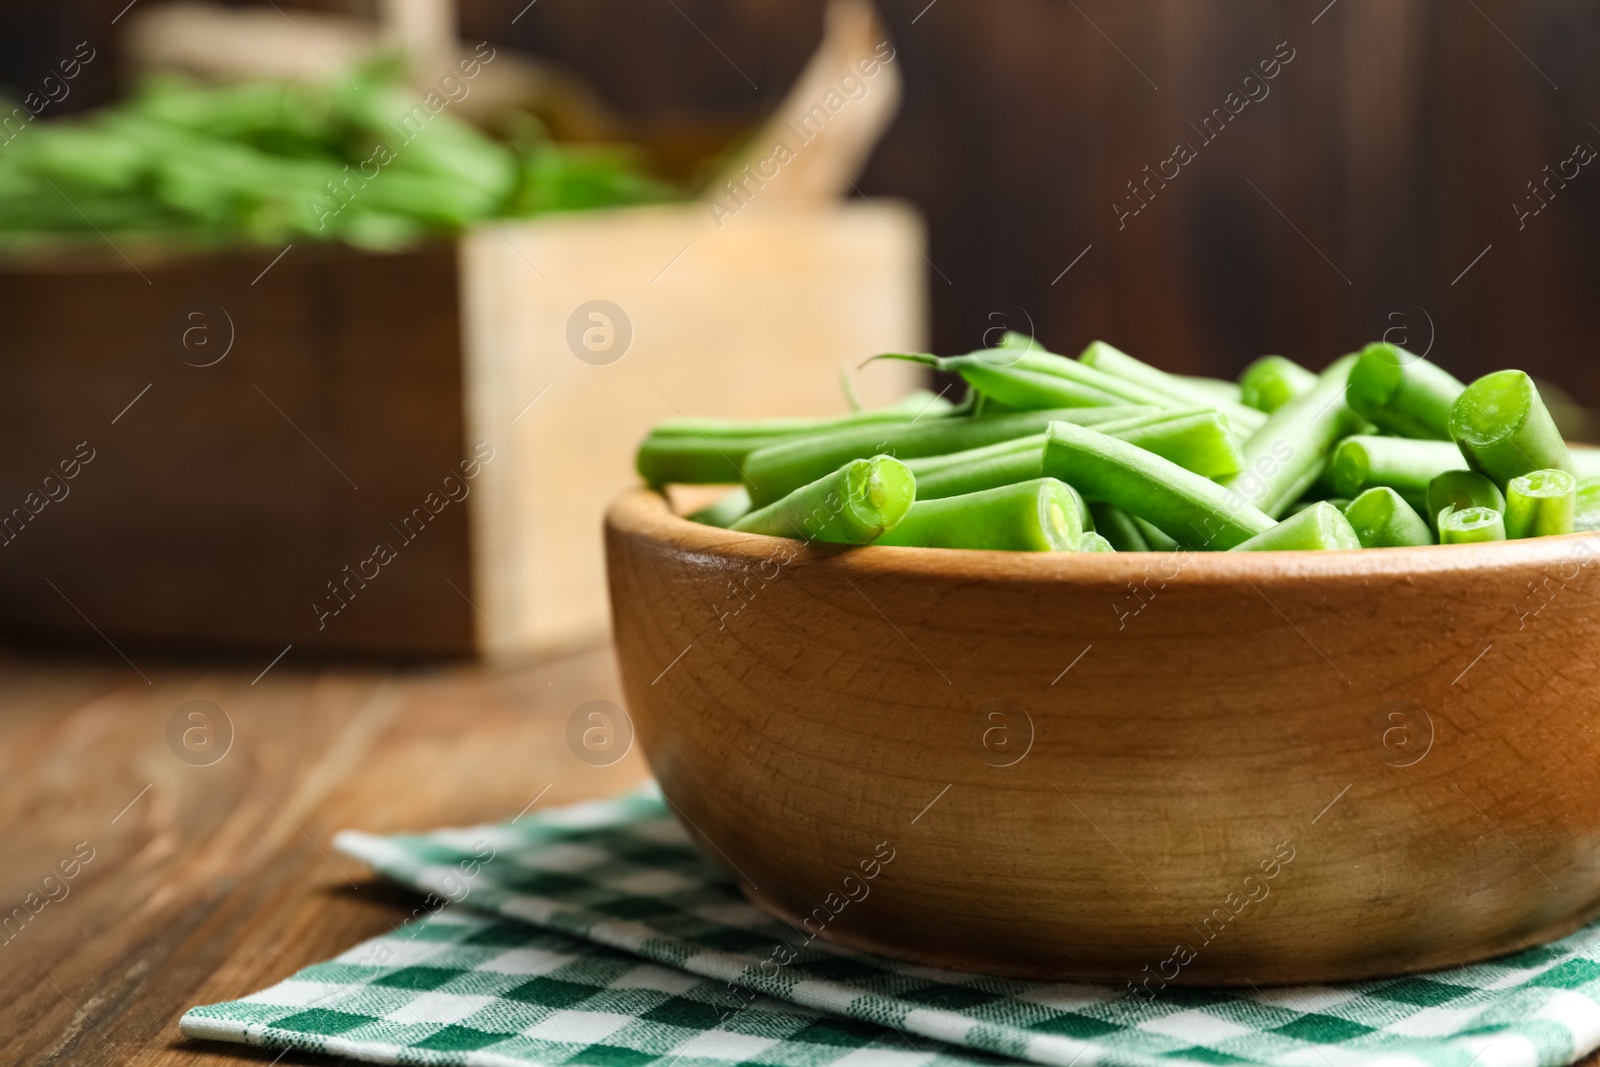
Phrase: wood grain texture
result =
(220, 880)
(374, 466)
(222, 499)
(1282, 767)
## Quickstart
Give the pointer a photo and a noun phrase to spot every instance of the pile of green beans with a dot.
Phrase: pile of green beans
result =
(1106, 453)
(361, 160)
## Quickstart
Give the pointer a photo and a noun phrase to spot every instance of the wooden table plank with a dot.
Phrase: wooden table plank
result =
(218, 880)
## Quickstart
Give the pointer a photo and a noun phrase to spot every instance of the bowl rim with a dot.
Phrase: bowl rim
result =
(646, 512)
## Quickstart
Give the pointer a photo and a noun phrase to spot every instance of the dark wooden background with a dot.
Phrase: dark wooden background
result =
(1347, 203)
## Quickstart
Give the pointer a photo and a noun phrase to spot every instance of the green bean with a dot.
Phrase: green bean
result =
(1285, 457)
(1158, 541)
(1118, 528)
(919, 404)
(1214, 389)
(1029, 390)
(1104, 357)
(1045, 361)
(1471, 525)
(1321, 526)
(727, 510)
(1458, 490)
(1272, 381)
(1587, 513)
(1199, 442)
(684, 460)
(1094, 542)
(1541, 504)
(1031, 378)
(1404, 465)
(1403, 393)
(974, 469)
(1340, 502)
(1021, 374)
(262, 162)
(1193, 510)
(709, 451)
(853, 505)
(1504, 429)
(774, 470)
(1042, 515)
(1382, 518)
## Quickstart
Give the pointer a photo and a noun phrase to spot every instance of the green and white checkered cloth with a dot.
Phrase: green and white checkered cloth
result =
(585, 895)
(459, 987)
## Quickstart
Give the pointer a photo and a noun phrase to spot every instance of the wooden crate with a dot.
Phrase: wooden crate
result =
(308, 487)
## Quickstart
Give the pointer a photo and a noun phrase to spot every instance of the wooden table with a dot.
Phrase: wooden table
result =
(209, 882)
(212, 882)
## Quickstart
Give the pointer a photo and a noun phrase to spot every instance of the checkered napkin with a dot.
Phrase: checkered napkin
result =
(621, 874)
(459, 987)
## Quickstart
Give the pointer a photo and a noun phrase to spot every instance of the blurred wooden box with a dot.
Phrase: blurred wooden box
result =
(309, 486)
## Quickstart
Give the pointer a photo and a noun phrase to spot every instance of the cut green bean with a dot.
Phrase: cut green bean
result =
(1106, 453)
(1404, 465)
(1403, 393)
(918, 404)
(1191, 395)
(980, 404)
(1541, 504)
(1042, 515)
(1214, 389)
(1321, 526)
(1298, 506)
(1272, 381)
(1504, 429)
(1023, 375)
(1008, 462)
(976, 469)
(1382, 518)
(709, 451)
(1025, 389)
(1001, 464)
(1198, 442)
(1158, 541)
(1045, 361)
(1094, 542)
(1286, 456)
(1587, 506)
(853, 505)
(1118, 528)
(683, 460)
(1458, 490)
(1119, 364)
(1192, 510)
(775, 470)
(1471, 525)
(727, 510)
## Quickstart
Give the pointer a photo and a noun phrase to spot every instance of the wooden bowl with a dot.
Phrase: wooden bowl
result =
(1145, 768)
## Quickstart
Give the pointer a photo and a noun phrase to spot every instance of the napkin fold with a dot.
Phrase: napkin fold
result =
(600, 935)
